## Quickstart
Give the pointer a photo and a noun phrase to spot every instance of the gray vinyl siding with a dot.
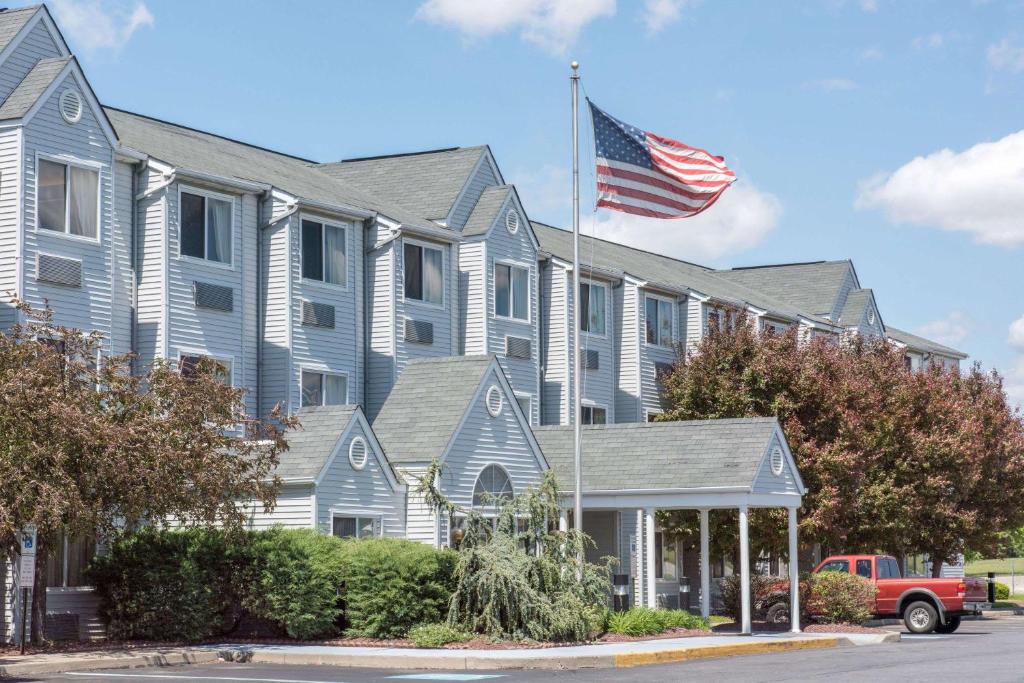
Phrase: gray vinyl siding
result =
(367, 492)
(7, 598)
(151, 245)
(380, 360)
(83, 602)
(294, 509)
(555, 390)
(37, 44)
(627, 533)
(222, 334)
(483, 440)
(627, 331)
(651, 354)
(443, 318)
(329, 350)
(87, 307)
(767, 481)
(483, 178)
(473, 289)
(122, 276)
(598, 386)
(420, 519)
(849, 284)
(517, 249)
(10, 225)
(275, 352)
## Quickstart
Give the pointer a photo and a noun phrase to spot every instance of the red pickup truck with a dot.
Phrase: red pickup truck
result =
(923, 604)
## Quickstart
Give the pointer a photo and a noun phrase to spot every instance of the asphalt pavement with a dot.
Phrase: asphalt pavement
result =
(990, 650)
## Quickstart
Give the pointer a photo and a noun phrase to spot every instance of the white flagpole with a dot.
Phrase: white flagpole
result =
(574, 400)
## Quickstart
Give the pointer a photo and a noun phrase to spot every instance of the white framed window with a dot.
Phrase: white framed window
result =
(188, 362)
(593, 415)
(321, 388)
(205, 225)
(324, 252)
(592, 308)
(68, 558)
(772, 327)
(424, 273)
(651, 415)
(354, 526)
(665, 557)
(511, 291)
(525, 401)
(67, 198)
(660, 322)
(492, 485)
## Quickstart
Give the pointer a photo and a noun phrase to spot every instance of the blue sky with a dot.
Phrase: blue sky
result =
(881, 131)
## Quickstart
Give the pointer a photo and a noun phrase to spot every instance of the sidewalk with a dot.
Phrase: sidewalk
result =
(601, 656)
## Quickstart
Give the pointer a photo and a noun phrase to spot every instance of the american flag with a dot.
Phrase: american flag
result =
(649, 175)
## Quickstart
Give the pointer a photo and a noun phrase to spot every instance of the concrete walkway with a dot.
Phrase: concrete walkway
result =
(605, 655)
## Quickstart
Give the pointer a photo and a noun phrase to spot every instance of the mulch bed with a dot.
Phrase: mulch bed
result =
(760, 626)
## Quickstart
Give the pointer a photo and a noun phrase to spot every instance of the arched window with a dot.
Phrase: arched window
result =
(492, 485)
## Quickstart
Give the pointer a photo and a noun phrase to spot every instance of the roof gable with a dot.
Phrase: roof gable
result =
(491, 209)
(813, 287)
(358, 424)
(312, 445)
(17, 23)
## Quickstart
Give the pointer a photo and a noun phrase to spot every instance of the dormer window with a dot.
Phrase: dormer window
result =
(511, 292)
(658, 313)
(205, 227)
(68, 198)
(324, 253)
(424, 273)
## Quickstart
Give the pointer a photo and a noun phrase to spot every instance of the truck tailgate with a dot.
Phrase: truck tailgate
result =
(977, 589)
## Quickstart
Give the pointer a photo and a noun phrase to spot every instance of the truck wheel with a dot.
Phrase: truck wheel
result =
(952, 624)
(920, 617)
(778, 614)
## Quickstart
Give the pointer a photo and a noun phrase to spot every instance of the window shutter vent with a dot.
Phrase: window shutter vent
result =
(59, 271)
(518, 347)
(590, 359)
(317, 315)
(512, 221)
(214, 297)
(419, 331)
(778, 461)
(70, 105)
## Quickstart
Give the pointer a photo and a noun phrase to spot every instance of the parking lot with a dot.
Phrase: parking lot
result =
(984, 650)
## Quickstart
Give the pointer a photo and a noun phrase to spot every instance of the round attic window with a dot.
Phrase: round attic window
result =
(357, 453)
(70, 105)
(495, 401)
(512, 221)
(777, 460)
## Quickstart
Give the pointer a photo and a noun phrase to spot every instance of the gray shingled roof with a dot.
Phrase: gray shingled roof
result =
(12, 21)
(857, 302)
(486, 210)
(659, 270)
(32, 87)
(812, 287)
(426, 404)
(311, 444)
(201, 151)
(660, 455)
(427, 183)
(921, 344)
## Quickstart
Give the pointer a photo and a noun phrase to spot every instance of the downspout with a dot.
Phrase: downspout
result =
(134, 260)
(260, 210)
(542, 347)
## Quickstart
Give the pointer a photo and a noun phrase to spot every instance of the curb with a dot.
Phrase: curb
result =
(119, 661)
(694, 653)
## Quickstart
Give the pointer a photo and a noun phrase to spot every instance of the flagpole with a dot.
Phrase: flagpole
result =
(574, 400)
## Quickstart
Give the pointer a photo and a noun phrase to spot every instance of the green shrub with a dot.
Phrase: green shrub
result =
(644, 621)
(437, 635)
(294, 580)
(1002, 591)
(391, 585)
(169, 585)
(841, 598)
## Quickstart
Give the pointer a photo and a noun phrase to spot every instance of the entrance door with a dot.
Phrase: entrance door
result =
(602, 527)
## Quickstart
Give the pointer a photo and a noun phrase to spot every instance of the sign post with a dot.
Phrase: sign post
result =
(26, 575)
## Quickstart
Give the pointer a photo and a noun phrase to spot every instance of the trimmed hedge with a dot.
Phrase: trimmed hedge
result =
(644, 621)
(437, 635)
(392, 585)
(841, 598)
(1002, 591)
(195, 584)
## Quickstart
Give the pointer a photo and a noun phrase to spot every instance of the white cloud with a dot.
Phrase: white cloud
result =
(552, 24)
(1016, 337)
(869, 5)
(1006, 56)
(950, 330)
(739, 220)
(871, 54)
(1014, 383)
(832, 84)
(932, 40)
(101, 24)
(657, 14)
(979, 191)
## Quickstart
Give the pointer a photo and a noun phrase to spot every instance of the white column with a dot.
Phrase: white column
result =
(794, 574)
(638, 580)
(563, 519)
(705, 565)
(650, 593)
(744, 573)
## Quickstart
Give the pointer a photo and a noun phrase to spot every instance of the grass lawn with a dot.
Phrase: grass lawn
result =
(982, 567)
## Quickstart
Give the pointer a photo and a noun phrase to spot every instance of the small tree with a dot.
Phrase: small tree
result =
(515, 577)
(87, 446)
